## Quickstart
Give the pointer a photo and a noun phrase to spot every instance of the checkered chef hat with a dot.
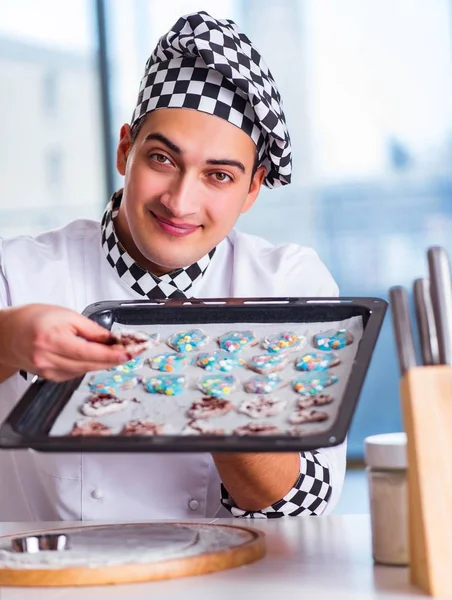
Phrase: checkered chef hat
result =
(209, 65)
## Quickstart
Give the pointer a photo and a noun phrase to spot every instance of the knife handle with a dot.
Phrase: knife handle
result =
(425, 322)
(441, 294)
(403, 333)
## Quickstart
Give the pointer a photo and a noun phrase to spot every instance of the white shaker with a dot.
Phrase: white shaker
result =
(386, 462)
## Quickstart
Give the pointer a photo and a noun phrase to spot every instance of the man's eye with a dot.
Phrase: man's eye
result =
(160, 158)
(221, 177)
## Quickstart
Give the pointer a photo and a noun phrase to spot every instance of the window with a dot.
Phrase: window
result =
(50, 116)
(54, 170)
(50, 94)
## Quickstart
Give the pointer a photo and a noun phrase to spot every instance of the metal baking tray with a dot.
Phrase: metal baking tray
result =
(31, 424)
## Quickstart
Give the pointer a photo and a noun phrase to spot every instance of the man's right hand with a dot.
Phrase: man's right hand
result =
(55, 343)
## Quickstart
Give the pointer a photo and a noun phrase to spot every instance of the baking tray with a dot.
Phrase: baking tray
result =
(34, 420)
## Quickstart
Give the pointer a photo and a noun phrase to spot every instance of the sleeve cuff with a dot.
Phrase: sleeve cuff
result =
(308, 496)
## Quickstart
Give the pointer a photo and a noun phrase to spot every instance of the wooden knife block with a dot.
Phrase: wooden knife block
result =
(426, 394)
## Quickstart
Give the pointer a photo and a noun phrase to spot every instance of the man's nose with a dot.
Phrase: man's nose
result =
(182, 198)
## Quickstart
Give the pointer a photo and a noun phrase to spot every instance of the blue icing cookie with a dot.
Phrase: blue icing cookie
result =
(333, 339)
(313, 383)
(263, 384)
(131, 365)
(168, 385)
(169, 362)
(220, 360)
(267, 363)
(236, 341)
(316, 361)
(286, 341)
(112, 382)
(217, 386)
(188, 341)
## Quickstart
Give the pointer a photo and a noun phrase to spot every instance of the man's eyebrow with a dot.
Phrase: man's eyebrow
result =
(228, 162)
(159, 137)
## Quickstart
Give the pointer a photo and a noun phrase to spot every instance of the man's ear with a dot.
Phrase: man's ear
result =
(124, 146)
(255, 187)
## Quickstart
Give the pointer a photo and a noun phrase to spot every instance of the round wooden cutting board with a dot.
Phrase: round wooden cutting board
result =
(112, 554)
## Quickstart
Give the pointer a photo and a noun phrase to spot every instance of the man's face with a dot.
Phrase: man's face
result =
(187, 180)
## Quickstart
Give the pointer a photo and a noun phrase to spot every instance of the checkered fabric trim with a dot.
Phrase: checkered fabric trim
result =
(309, 495)
(175, 284)
(209, 65)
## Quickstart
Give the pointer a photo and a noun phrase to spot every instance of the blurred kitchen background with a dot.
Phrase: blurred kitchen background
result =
(368, 97)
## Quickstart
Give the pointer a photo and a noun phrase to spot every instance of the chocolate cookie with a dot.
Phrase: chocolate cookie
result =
(201, 428)
(315, 400)
(133, 341)
(103, 404)
(141, 427)
(206, 408)
(308, 416)
(86, 427)
(262, 406)
(257, 429)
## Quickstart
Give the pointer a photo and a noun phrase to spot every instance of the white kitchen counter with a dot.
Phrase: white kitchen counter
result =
(308, 558)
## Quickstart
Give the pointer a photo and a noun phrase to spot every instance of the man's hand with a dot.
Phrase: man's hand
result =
(54, 343)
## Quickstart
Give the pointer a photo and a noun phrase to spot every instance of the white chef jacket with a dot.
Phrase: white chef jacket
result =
(68, 267)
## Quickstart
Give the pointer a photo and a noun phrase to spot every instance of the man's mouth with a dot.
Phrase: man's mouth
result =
(173, 227)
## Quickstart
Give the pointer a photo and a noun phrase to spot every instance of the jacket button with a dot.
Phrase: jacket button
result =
(96, 494)
(193, 504)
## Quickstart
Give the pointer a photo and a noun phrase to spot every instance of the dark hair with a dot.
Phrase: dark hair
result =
(135, 130)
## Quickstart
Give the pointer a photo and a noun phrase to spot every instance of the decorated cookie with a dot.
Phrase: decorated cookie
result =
(263, 384)
(267, 363)
(170, 362)
(313, 384)
(316, 361)
(168, 385)
(257, 429)
(262, 406)
(87, 427)
(201, 428)
(141, 427)
(308, 416)
(217, 386)
(315, 400)
(236, 341)
(333, 339)
(188, 341)
(134, 341)
(131, 365)
(206, 408)
(220, 360)
(286, 341)
(112, 382)
(103, 404)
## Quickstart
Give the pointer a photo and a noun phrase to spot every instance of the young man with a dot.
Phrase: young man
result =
(208, 130)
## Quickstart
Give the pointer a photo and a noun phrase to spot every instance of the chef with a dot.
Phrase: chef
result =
(207, 131)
